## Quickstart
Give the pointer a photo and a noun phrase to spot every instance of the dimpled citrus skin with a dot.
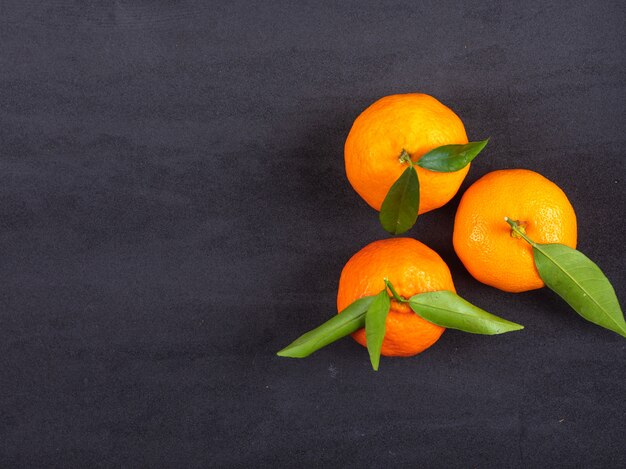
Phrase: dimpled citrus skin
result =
(412, 267)
(416, 123)
(483, 241)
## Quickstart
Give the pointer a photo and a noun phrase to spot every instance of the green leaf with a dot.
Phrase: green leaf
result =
(375, 318)
(348, 321)
(581, 283)
(399, 209)
(447, 309)
(449, 158)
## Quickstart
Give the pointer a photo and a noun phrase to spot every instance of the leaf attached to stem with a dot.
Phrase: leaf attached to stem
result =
(579, 281)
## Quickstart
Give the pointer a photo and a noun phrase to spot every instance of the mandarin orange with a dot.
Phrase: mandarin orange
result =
(412, 267)
(413, 122)
(485, 243)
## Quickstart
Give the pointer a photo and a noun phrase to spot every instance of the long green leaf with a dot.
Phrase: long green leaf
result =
(447, 309)
(448, 158)
(375, 319)
(399, 209)
(581, 283)
(348, 321)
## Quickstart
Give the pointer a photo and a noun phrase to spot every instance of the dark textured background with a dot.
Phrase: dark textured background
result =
(174, 209)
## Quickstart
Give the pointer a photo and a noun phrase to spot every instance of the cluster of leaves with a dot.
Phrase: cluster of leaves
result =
(398, 212)
(444, 308)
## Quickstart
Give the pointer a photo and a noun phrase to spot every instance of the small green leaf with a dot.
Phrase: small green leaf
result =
(399, 209)
(447, 309)
(348, 321)
(449, 158)
(581, 283)
(375, 318)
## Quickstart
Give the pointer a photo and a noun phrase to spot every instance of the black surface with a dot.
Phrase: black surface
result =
(174, 209)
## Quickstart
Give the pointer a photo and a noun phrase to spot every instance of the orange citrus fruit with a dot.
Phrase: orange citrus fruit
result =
(412, 268)
(485, 243)
(414, 122)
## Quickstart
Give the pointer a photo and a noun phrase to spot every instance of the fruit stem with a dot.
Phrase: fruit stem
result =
(394, 292)
(405, 157)
(518, 229)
